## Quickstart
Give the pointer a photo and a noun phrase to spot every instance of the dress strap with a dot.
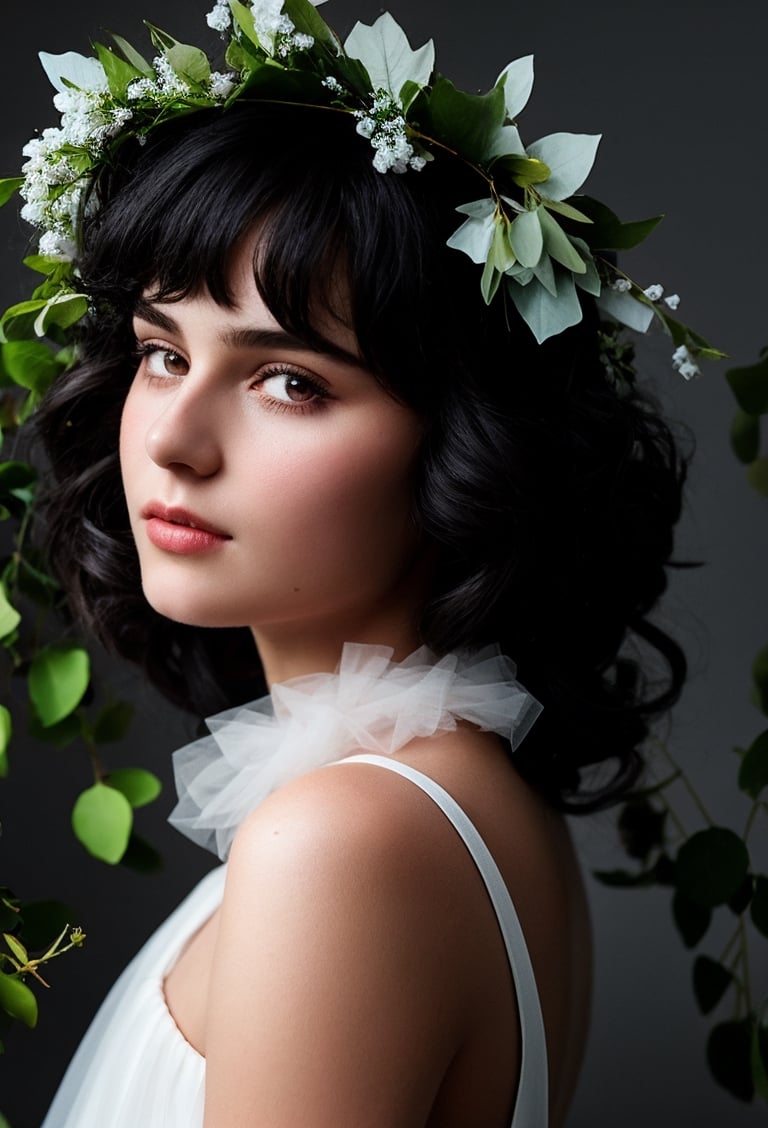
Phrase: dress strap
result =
(531, 1105)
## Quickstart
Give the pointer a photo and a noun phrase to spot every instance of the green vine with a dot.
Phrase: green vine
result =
(710, 869)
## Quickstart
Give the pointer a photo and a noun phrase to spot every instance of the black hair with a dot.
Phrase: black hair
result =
(548, 492)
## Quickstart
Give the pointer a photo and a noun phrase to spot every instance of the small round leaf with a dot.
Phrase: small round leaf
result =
(5, 739)
(711, 866)
(729, 1057)
(759, 1055)
(102, 819)
(58, 678)
(137, 785)
(9, 616)
(757, 475)
(113, 722)
(710, 982)
(745, 436)
(692, 920)
(17, 1000)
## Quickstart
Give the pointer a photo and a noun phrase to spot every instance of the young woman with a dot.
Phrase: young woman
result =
(300, 453)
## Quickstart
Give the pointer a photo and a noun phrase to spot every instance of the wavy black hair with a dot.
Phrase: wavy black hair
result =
(547, 492)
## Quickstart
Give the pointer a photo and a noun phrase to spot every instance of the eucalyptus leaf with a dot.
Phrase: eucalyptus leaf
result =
(74, 70)
(757, 475)
(545, 272)
(8, 187)
(711, 866)
(544, 314)
(523, 170)
(753, 770)
(729, 1049)
(745, 436)
(501, 255)
(625, 309)
(517, 80)
(692, 920)
(589, 281)
(710, 982)
(750, 387)
(6, 729)
(102, 819)
(526, 238)
(475, 235)
(132, 56)
(466, 123)
(559, 246)
(58, 678)
(760, 679)
(386, 54)
(759, 906)
(505, 142)
(490, 282)
(570, 157)
(139, 787)
(9, 616)
(566, 210)
(17, 1000)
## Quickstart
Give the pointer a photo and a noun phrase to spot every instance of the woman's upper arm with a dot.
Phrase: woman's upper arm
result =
(333, 994)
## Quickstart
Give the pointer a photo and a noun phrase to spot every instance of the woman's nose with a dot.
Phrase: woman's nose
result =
(185, 434)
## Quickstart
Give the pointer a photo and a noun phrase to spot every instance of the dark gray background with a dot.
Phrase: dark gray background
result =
(679, 92)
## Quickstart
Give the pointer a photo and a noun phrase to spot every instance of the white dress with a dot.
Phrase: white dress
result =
(134, 1069)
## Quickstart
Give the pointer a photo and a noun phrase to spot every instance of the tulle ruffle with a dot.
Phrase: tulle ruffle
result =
(371, 704)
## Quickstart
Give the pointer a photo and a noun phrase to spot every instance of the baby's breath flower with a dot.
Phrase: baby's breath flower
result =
(222, 85)
(654, 292)
(672, 300)
(220, 17)
(682, 360)
(167, 79)
(621, 285)
(142, 88)
(333, 84)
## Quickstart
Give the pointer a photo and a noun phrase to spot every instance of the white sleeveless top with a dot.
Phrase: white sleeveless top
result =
(134, 1067)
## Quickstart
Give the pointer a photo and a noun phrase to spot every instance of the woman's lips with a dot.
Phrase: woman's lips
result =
(181, 532)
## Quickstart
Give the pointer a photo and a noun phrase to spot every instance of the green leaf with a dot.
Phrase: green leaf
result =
(753, 770)
(757, 474)
(60, 735)
(190, 62)
(523, 170)
(750, 387)
(113, 722)
(18, 321)
(62, 311)
(8, 186)
(386, 54)
(9, 616)
(710, 982)
(16, 948)
(559, 246)
(490, 282)
(641, 828)
(570, 157)
(58, 678)
(30, 364)
(133, 57)
(17, 1000)
(102, 819)
(692, 920)
(137, 785)
(566, 210)
(6, 728)
(526, 238)
(308, 21)
(608, 232)
(745, 436)
(120, 74)
(466, 123)
(141, 856)
(243, 18)
(759, 907)
(711, 866)
(760, 679)
(729, 1049)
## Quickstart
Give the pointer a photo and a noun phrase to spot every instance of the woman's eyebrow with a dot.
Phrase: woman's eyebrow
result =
(251, 338)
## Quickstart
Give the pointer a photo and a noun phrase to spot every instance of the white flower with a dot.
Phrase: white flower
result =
(220, 17)
(654, 292)
(167, 79)
(331, 83)
(303, 42)
(222, 85)
(621, 285)
(365, 125)
(55, 245)
(142, 88)
(672, 300)
(683, 361)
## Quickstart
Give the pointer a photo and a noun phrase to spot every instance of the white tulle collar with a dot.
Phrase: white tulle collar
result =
(371, 704)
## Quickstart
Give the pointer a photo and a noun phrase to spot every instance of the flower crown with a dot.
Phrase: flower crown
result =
(535, 239)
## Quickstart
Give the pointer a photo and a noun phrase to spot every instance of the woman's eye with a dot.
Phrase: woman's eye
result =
(163, 362)
(291, 387)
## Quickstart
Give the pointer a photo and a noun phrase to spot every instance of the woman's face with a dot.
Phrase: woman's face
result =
(268, 484)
